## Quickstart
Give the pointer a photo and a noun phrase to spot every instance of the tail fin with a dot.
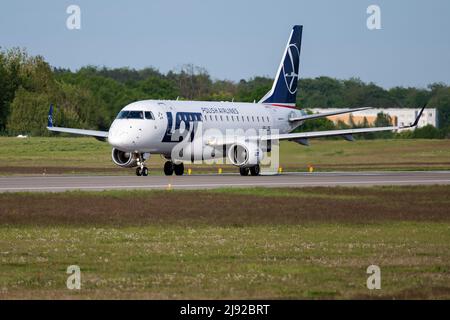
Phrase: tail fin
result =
(284, 88)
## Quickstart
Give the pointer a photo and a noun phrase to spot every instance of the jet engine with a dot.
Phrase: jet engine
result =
(124, 159)
(245, 155)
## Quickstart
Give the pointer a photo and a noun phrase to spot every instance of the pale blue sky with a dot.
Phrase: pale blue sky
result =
(236, 39)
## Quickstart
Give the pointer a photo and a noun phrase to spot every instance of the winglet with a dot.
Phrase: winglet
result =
(416, 122)
(50, 117)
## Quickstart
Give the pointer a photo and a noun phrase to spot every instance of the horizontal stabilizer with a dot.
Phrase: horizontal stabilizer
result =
(326, 114)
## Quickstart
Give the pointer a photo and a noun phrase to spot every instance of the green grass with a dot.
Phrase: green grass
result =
(396, 154)
(78, 155)
(82, 152)
(308, 193)
(288, 243)
(280, 261)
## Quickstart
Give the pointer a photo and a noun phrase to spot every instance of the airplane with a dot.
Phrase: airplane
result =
(147, 127)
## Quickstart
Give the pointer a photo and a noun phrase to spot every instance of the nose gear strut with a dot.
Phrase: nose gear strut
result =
(141, 170)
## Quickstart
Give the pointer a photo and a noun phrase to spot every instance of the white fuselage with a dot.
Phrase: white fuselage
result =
(155, 134)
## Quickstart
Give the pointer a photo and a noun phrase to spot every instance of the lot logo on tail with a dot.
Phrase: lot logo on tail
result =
(284, 88)
(290, 68)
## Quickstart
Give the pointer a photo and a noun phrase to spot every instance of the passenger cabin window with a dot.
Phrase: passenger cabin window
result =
(149, 115)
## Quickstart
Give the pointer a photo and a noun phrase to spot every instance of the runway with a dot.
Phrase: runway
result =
(59, 183)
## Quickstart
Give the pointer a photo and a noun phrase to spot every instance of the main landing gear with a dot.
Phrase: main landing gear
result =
(254, 171)
(170, 168)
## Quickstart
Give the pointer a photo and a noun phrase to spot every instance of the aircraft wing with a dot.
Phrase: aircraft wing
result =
(92, 133)
(330, 133)
(326, 114)
(302, 137)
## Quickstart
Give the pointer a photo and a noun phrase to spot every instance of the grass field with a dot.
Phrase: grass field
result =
(227, 243)
(87, 155)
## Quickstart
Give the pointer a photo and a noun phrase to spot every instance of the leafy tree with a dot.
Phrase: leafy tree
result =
(11, 77)
(383, 120)
(192, 82)
(158, 88)
(253, 89)
(353, 92)
(320, 124)
(4, 105)
(427, 132)
(92, 96)
(28, 114)
(440, 99)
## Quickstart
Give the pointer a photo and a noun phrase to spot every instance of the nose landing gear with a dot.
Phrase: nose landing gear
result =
(141, 170)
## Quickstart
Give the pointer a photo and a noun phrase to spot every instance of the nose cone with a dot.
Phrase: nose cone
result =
(118, 138)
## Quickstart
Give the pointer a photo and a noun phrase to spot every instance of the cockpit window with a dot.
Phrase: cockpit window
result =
(149, 115)
(130, 115)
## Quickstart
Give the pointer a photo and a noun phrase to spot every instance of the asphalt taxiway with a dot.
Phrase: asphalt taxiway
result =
(208, 181)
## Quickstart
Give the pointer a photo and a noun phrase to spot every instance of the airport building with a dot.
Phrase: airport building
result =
(399, 116)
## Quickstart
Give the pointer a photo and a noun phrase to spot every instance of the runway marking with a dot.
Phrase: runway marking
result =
(211, 185)
(306, 174)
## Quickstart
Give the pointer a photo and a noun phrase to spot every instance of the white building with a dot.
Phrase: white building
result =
(399, 116)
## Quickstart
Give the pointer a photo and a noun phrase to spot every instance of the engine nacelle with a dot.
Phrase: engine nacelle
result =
(124, 159)
(245, 155)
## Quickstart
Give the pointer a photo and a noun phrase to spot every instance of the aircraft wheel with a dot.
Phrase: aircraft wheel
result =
(145, 171)
(244, 171)
(179, 169)
(168, 168)
(255, 170)
(138, 171)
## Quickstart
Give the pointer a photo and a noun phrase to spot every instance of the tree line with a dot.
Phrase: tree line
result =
(92, 96)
